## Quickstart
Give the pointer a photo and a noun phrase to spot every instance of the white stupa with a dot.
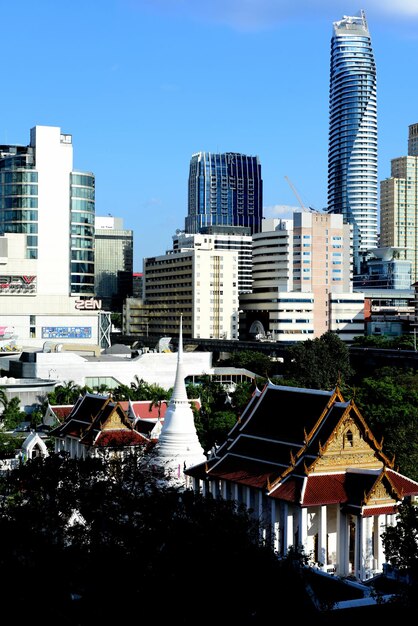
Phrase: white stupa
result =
(178, 446)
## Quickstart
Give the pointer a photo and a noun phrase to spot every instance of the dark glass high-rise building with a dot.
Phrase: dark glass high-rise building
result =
(113, 262)
(352, 151)
(224, 190)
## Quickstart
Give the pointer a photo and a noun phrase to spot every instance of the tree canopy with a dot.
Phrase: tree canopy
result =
(137, 548)
(388, 400)
(319, 363)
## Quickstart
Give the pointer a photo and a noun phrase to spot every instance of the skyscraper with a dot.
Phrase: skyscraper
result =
(47, 211)
(224, 190)
(413, 140)
(42, 197)
(352, 150)
(113, 262)
(399, 205)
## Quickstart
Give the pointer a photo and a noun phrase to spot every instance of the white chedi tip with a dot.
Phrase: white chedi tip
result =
(178, 446)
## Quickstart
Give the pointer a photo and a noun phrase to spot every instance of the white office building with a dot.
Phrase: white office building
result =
(200, 284)
(47, 245)
(223, 238)
(302, 281)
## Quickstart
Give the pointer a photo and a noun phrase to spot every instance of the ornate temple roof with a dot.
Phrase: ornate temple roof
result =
(309, 447)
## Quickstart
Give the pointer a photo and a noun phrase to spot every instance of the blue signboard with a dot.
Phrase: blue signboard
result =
(66, 332)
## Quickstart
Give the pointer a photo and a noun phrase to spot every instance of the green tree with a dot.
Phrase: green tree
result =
(12, 414)
(241, 395)
(123, 392)
(252, 360)
(319, 363)
(8, 445)
(157, 396)
(400, 543)
(116, 319)
(389, 402)
(3, 397)
(135, 529)
(372, 341)
(219, 426)
(66, 392)
(140, 389)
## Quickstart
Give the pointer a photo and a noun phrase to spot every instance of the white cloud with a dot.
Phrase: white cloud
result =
(262, 14)
(283, 211)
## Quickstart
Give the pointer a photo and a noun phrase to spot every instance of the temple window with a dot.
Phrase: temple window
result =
(348, 439)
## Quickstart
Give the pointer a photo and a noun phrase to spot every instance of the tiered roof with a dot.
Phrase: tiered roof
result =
(97, 420)
(309, 447)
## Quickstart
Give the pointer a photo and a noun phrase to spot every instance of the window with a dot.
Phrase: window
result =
(348, 439)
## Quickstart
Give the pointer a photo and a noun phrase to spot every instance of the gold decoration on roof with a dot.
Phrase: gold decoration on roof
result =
(292, 458)
(335, 397)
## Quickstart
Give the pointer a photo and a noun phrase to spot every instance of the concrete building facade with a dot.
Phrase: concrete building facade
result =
(399, 205)
(47, 243)
(223, 239)
(302, 281)
(201, 284)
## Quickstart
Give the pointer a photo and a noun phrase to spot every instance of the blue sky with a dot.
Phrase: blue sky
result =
(143, 84)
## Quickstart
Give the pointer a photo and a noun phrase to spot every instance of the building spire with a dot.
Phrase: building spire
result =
(179, 391)
(178, 446)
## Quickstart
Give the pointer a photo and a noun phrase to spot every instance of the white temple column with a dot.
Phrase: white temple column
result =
(366, 543)
(224, 490)
(275, 525)
(288, 538)
(379, 551)
(259, 504)
(247, 497)
(215, 488)
(322, 537)
(342, 544)
(359, 548)
(303, 529)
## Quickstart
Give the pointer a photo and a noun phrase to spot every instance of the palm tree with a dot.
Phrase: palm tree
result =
(3, 398)
(65, 393)
(158, 395)
(140, 389)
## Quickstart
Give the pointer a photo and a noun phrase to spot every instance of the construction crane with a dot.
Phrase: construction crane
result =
(303, 207)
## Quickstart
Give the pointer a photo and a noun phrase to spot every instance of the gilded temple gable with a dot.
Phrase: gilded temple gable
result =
(346, 447)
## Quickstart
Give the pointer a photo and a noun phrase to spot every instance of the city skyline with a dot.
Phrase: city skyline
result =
(141, 86)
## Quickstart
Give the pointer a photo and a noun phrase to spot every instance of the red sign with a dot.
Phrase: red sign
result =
(17, 285)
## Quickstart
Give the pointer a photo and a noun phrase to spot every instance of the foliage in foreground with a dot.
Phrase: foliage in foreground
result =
(144, 546)
(141, 543)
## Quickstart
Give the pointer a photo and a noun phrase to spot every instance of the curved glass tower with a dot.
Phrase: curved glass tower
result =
(352, 151)
(82, 205)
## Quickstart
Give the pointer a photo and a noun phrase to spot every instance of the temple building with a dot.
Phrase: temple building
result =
(308, 467)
